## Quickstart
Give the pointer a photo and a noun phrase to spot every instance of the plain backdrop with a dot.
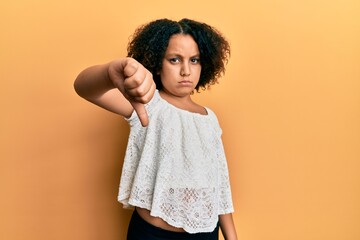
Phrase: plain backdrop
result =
(289, 107)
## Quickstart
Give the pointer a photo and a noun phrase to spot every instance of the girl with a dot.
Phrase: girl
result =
(175, 172)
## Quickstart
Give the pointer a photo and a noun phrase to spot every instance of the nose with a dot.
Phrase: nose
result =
(185, 69)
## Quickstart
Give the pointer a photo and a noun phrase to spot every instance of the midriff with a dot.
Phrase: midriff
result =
(156, 221)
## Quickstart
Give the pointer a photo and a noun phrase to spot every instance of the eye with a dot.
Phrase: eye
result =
(174, 60)
(195, 60)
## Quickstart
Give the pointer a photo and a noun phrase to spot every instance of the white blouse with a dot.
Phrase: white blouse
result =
(176, 167)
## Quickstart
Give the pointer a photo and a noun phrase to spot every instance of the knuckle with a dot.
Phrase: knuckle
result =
(131, 68)
(149, 74)
(137, 80)
(143, 99)
(132, 65)
(139, 92)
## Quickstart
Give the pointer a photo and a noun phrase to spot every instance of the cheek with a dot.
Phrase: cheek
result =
(197, 70)
(166, 74)
(170, 71)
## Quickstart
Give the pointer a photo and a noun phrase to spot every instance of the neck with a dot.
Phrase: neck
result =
(182, 101)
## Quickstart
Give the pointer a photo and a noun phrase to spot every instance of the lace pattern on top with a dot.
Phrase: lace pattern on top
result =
(176, 167)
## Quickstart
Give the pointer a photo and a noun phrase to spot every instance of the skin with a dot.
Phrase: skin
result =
(181, 73)
(124, 85)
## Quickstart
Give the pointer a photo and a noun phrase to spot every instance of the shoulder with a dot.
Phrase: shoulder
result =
(214, 120)
(211, 113)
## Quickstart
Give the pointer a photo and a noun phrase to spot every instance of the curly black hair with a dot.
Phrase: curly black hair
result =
(149, 42)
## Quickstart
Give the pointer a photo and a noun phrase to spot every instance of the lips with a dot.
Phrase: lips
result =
(185, 83)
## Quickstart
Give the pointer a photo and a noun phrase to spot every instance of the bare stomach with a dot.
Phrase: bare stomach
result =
(156, 221)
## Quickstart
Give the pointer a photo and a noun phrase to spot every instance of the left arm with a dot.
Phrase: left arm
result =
(228, 227)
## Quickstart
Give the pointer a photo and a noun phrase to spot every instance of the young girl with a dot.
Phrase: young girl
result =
(175, 172)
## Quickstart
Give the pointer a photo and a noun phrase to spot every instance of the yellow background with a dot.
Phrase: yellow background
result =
(289, 106)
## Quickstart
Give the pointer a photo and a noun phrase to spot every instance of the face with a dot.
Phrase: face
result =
(181, 66)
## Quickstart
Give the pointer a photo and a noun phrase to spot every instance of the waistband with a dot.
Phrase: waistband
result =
(144, 226)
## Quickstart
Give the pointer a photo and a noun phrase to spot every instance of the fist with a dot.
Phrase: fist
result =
(135, 82)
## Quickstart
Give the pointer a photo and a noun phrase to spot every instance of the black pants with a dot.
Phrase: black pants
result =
(139, 229)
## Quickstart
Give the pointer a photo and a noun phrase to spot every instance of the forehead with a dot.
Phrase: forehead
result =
(182, 44)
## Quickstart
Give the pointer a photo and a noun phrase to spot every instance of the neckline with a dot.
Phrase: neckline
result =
(184, 110)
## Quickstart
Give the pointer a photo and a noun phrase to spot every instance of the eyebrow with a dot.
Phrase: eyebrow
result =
(181, 56)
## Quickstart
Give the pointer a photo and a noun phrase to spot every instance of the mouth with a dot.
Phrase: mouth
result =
(185, 83)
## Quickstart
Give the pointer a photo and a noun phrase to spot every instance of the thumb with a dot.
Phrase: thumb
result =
(141, 112)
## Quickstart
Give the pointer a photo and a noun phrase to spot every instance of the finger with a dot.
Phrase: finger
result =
(138, 79)
(142, 89)
(141, 112)
(130, 68)
(146, 96)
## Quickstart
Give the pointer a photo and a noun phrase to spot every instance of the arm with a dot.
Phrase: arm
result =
(120, 86)
(227, 227)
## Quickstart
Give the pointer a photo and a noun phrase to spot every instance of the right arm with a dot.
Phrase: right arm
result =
(228, 227)
(120, 86)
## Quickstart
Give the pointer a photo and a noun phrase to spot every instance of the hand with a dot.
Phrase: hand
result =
(135, 82)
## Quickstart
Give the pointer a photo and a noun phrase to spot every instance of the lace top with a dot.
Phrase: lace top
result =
(176, 167)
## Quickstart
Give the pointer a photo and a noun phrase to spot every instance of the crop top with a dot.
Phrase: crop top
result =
(176, 167)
